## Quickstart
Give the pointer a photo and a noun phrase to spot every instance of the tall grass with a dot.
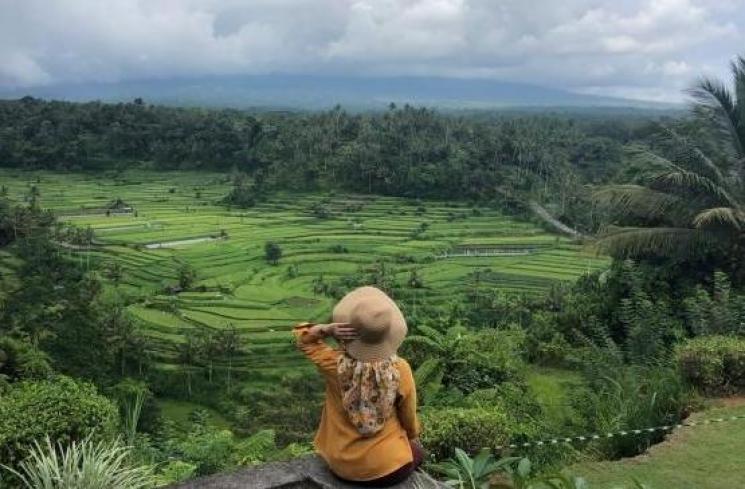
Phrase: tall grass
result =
(635, 397)
(81, 465)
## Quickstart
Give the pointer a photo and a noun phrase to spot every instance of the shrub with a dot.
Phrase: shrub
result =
(627, 398)
(176, 471)
(209, 450)
(485, 359)
(338, 248)
(63, 409)
(468, 428)
(714, 364)
(272, 252)
(86, 464)
(20, 360)
(490, 426)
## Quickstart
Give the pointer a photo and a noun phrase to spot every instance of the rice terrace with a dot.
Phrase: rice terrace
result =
(412, 244)
(433, 252)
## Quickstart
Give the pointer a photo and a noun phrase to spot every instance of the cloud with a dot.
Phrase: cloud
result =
(641, 48)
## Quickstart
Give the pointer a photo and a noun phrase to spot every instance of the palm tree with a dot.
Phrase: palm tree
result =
(724, 110)
(435, 344)
(122, 332)
(187, 356)
(229, 340)
(687, 204)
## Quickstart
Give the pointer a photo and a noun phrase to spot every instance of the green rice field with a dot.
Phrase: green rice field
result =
(175, 218)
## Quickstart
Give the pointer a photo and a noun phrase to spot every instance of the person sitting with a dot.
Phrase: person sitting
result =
(369, 430)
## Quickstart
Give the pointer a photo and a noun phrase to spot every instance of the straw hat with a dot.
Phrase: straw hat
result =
(379, 322)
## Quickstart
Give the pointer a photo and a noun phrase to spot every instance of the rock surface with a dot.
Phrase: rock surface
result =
(302, 473)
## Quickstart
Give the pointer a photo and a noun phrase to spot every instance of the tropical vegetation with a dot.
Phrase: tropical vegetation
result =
(562, 276)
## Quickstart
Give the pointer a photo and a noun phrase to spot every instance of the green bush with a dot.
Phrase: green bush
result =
(485, 359)
(468, 428)
(486, 426)
(628, 398)
(210, 450)
(714, 364)
(63, 409)
(19, 360)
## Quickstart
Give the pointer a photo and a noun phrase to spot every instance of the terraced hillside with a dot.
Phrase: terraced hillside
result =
(148, 225)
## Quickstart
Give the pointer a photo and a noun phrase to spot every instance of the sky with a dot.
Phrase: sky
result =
(642, 49)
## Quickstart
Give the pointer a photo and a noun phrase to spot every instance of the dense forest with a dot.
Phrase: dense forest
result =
(408, 151)
(647, 339)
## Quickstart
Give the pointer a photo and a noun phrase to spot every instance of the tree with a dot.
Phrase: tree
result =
(122, 333)
(210, 348)
(187, 357)
(685, 205)
(272, 252)
(229, 341)
(186, 276)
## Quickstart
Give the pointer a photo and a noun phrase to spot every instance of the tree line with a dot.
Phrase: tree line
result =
(404, 151)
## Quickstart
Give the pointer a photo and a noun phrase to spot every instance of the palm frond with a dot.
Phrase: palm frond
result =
(633, 242)
(738, 72)
(636, 200)
(688, 155)
(719, 217)
(714, 102)
(423, 341)
(651, 162)
(685, 183)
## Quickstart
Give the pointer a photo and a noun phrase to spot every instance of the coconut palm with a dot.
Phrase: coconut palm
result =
(724, 110)
(686, 204)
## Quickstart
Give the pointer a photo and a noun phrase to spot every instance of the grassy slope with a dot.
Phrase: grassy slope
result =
(552, 388)
(702, 457)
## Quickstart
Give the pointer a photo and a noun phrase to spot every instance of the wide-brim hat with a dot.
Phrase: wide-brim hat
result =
(379, 322)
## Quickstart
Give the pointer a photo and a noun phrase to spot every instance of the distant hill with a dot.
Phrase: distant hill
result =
(319, 92)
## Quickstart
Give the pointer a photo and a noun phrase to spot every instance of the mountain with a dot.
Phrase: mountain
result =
(319, 92)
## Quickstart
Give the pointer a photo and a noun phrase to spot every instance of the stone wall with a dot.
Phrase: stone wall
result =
(302, 473)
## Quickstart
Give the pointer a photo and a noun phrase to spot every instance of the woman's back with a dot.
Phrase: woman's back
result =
(350, 454)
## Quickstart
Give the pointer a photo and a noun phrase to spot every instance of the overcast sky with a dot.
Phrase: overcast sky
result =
(647, 49)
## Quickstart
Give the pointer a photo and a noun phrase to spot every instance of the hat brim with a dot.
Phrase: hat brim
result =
(390, 343)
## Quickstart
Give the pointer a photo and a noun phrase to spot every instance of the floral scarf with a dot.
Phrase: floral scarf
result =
(368, 391)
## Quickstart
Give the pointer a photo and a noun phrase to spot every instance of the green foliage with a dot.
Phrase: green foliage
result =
(631, 397)
(131, 396)
(714, 364)
(484, 359)
(256, 448)
(210, 450)
(19, 360)
(469, 428)
(291, 408)
(186, 276)
(458, 358)
(175, 471)
(85, 464)
(718, 312)
(544, 343)
(272, 252)
(686, 205)
(465, 472)
(62, 409)
(484, 472)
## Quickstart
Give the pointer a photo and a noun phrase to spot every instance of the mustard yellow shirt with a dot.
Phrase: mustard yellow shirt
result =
(349, 454)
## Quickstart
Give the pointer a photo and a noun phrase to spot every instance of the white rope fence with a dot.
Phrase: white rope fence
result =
(572, 439)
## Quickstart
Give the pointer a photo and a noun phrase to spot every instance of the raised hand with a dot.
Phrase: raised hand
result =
(343, 331)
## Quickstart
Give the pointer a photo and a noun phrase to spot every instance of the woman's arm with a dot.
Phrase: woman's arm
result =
(407, 405)
(310, 338)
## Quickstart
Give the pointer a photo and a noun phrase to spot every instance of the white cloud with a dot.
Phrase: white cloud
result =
(641, 48)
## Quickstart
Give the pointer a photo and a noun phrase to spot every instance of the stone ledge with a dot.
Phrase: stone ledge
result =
(302, 473)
